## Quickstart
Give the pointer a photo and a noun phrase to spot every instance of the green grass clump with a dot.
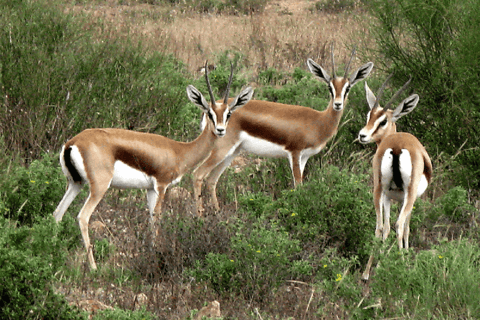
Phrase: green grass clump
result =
(29, 259)
(431, 283)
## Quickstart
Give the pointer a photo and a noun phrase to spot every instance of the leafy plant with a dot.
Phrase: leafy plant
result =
(334, 208)
(29, 193)
(262, 256)
(434, 43)
(29, 258)
(430, 283)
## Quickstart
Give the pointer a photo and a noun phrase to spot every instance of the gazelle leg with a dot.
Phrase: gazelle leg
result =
(386, 217)
(294, 159)
(73, 189)
(97, 191)
(378, 199)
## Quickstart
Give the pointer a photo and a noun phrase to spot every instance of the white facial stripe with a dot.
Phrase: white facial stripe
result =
(378, 121)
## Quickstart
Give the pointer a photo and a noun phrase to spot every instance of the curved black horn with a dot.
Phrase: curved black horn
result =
(380, 91)
(225, 99)
(333, 63)
(350, 61)
(212, 97)
(395, 96)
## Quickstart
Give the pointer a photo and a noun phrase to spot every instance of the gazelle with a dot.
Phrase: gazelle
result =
(278, 130)
(119, 158)
(402, 168)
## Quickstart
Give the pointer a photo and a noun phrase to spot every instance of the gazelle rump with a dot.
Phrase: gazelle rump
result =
(279, 130)
(105, 158)
(402, 168)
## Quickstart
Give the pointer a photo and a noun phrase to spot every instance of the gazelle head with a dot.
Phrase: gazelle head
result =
(381, 121)
(339, 86)
(215, 113)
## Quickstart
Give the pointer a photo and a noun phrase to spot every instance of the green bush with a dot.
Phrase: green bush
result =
(29, 258)
(436, 42)
(262, 256)
(55, 81)
(334, 208)
(29, 193)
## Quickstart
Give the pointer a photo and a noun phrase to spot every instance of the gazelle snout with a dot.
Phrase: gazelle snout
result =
(364, 137)
(220, 131)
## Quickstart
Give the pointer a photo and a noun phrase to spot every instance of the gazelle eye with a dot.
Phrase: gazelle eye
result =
(229, 115)
(384, 122)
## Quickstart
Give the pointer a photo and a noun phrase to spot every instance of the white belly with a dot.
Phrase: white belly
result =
(262, 147)
(126, 177)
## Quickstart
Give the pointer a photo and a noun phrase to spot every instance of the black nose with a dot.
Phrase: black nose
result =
(338, 105)
(362, 136)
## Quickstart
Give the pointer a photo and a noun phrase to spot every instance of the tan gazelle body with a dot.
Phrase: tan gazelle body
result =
(104, 158)
(402, 168)
(272, 129)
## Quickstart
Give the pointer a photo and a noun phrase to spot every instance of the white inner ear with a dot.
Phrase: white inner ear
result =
(371, 99)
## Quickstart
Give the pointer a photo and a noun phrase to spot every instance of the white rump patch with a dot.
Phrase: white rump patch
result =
(386, 169)
(422, 186)
(405, 166)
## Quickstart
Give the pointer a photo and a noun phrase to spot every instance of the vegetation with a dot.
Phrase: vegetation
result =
(272, 252)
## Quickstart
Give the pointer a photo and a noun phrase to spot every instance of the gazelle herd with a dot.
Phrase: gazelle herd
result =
(104, 158)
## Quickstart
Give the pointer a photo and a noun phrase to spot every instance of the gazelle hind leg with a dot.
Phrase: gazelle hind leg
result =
(96, 194)
(73, 189)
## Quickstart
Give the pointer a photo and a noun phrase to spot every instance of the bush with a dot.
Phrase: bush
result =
(334, 208)
(55, 81)
(261, 257)
(436, 43)
(29, 258)
(29, 193)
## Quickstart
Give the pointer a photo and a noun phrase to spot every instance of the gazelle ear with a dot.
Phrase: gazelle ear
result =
(197, 98)
(242, 99)
(370, 96)
(405, 107)
(361, 73)
(318, 71)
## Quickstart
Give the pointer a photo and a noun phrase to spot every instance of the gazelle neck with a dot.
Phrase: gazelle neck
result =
(196, 151)
(392, 129)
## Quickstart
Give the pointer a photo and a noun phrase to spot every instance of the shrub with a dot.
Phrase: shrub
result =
(29, 193)
(55, 81)
(435, 42)
(29, 258)
(261, 257)
(334, 208)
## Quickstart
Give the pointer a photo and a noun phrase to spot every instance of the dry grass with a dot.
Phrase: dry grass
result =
(282, 37)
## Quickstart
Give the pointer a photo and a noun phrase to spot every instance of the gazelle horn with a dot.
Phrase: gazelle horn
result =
(348, 64)
(225, 100)
(395, 96)
(380, 92)
(212, 97)
(333, 63)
